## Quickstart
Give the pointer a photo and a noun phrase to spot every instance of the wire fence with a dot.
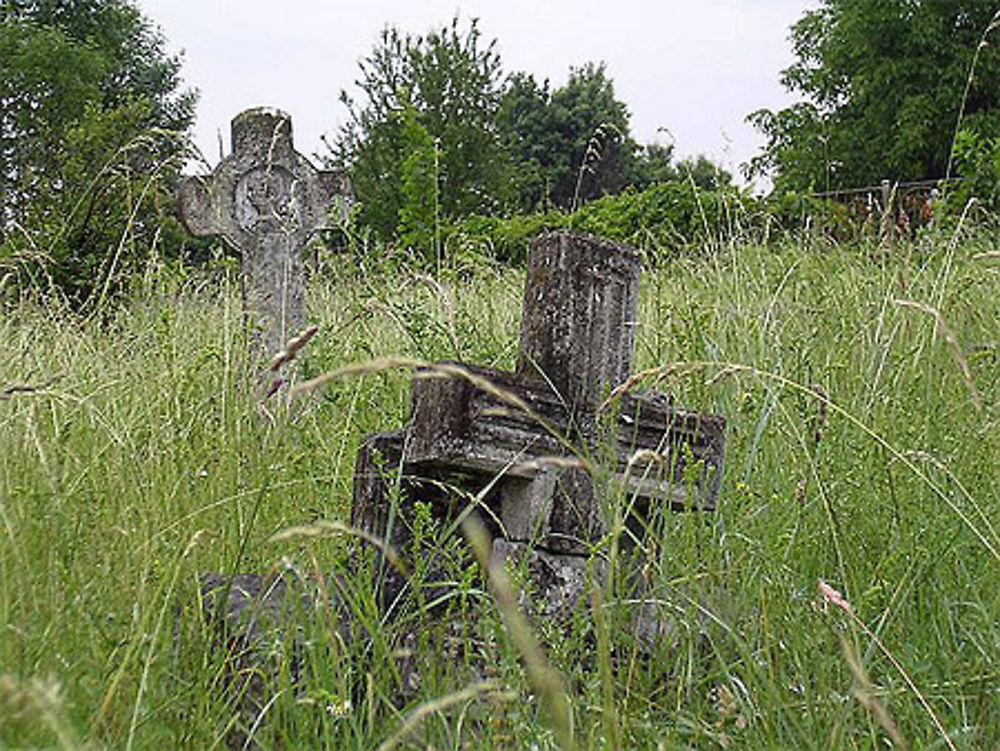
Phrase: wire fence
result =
(900, 207)
(886, 187)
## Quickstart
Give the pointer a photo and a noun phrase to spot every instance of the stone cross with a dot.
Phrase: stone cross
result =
(266, 200)
(520, 431)
(517, 430)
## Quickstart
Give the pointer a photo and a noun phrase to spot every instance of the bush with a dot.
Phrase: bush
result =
(977, 161)
(675, 215)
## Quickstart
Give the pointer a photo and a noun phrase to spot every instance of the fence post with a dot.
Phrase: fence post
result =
(887, 218)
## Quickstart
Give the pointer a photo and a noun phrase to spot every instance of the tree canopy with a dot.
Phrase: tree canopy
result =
(88, 98)
(883, 84)
(426, 118)
(438, 131)
(571, 144)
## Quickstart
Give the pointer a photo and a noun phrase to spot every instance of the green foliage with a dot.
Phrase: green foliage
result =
(450, 83)
(440, 138)
(977, 162)
(883, 86)
(529, 137)
(654, 164)
(570, 145)
(704, 173)
(669, 216)
(91, 128)
(596, 125)
(795, 211)
(418, 212)
(500, 145)
(505, 239)
(861, 451)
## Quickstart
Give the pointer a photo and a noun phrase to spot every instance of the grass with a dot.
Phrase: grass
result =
(861, 389)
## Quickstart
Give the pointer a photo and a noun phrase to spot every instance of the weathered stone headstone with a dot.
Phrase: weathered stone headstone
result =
(524, 431)
(266, 200)
(581, 300)
(536, 434)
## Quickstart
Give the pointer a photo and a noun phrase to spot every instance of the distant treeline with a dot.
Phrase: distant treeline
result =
(439, 136)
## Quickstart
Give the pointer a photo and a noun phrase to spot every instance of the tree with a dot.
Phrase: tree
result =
(439, 133)
(977, 161)
(90, 112)
(531, 138)
(46, 81)
(883, 83)
(704, 173)
(445, 85)
(595, 126)
(572, 144)
(654, 164)
(419, 188)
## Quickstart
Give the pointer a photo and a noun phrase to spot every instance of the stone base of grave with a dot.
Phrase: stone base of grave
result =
(248, 606)
(378, 481)
(254, 618)
(561, 583)
(386, 491)
(559, 586)
(260, 622)
(557, 509)
(464, 418)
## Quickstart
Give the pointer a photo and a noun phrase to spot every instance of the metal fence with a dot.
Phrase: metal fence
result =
(903, 206)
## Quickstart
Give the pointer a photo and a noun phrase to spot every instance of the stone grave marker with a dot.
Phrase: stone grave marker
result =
(527, 427)
(266, 200)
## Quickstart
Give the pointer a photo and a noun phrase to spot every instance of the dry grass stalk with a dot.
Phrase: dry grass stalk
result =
(661, 374)
(544, 678)
(324, 528)
(867, 696)
(822, 418)
(830, 596)
(550, 462)
(377, 365)
(291, 350)
(471, 693)
(8, 392)
(727, 371)
(952, 340)
(446, 297)
(37, 700)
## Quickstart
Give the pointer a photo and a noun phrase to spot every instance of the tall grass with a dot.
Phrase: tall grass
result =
(861, 389)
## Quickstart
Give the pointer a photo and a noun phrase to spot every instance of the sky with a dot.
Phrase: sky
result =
(690, 71)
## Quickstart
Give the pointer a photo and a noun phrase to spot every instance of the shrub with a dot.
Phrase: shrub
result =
(674, 215)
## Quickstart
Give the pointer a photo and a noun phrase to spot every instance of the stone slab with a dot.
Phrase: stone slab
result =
(458, 424)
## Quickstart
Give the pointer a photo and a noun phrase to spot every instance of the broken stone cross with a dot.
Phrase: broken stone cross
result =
(546, 435)
(266, 200)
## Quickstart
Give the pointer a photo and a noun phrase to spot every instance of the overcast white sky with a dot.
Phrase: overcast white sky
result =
(689, 71)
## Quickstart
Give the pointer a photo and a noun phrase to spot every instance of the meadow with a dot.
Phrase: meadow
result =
(843, 594)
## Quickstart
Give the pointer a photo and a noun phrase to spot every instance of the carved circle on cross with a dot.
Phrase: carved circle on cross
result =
(266, 200)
